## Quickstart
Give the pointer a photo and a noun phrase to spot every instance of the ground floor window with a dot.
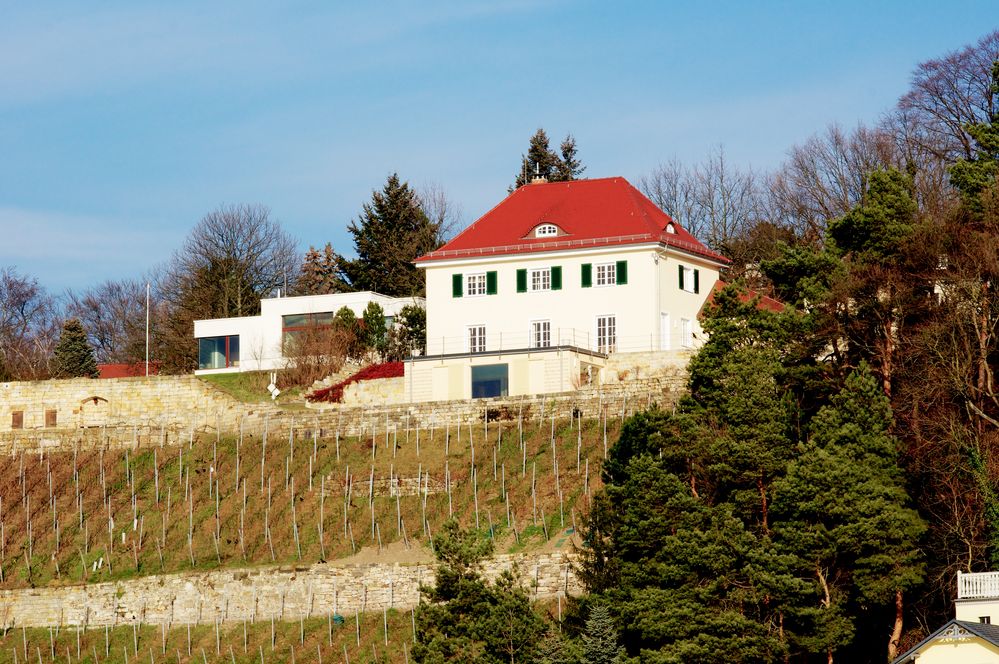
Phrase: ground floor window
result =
(218, 352)
(606, 334)
(490, 380)
(477, 339)
(541, 334)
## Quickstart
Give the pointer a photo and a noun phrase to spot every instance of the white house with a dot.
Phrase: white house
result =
(972, 637)
(552, 284)
(254, 343)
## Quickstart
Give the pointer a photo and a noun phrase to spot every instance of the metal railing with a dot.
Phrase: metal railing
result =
(552, 245)
(977, 585)
(506, 341)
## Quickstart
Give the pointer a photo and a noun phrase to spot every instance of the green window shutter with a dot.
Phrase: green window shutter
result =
(456, 285)
(491, 282)
(586, 278)
(556, 277)
(621, 273)
(697, 281)
(681, 277)
(521, 281)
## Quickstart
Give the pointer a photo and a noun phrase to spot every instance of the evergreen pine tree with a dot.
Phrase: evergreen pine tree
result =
(600, 644)
(323, 272)
(391, 231)
(373, 323)
(73, 356)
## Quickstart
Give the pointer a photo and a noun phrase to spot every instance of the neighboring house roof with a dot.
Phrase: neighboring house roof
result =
(986, 632)
(588, 213)
(765, 303)
(124, 370)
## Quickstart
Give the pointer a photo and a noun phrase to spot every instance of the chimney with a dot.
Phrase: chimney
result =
(539, 179)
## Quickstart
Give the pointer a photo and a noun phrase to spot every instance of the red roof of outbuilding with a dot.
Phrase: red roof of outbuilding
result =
(589, 213)
(764, 303)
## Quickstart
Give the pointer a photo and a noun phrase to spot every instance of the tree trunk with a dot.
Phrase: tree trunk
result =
(896, 630)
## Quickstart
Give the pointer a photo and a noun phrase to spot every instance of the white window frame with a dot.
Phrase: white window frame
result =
(475, 284)
(539, 279)
(605, 274)
(688, 279)
(541, 334)
(607, 336)
(476, 338)
(686, 333)
(546, 230)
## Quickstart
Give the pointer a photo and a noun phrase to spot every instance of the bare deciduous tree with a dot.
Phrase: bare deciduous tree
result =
(232, 258)
(715, 201)
(113, 313)
(29, 326)
(444, 213)
(826, 176)
(950, 92)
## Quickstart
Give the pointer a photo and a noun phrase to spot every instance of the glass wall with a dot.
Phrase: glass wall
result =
(490, 380)
(218, 352)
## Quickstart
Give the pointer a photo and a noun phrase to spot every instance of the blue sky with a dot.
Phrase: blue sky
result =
(121, 124)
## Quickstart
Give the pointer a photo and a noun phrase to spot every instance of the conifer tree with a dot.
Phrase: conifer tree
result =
(391, 231)
(73, 356)
(323, 272)
(600, 643)
(542, 161)
(973, 176)
(373, 321)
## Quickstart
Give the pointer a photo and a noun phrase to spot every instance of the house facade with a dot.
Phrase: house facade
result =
(548, 289)
(972, 637)
(255, 343)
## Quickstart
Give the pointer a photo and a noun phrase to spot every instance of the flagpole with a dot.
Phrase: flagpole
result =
(147, 329)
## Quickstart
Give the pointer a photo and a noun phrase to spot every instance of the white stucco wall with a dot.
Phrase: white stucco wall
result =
(652, 290)
(963, 650)
(260, 336)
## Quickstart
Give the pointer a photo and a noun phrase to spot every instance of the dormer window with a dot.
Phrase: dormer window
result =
(670, 228)
(546, 230)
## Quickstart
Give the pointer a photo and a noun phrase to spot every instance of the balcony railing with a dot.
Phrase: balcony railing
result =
(977, 585)
(499, 342)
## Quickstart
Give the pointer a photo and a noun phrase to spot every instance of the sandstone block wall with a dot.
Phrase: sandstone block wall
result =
(284, 593)
(168, 410)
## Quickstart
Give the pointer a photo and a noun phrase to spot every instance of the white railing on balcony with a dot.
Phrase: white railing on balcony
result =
(506, 341)
(977, 585)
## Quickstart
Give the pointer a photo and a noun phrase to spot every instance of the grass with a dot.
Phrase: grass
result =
(229, 503)
(250, 386)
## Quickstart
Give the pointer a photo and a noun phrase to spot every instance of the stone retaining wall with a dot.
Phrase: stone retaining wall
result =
(168, 410)
(261, 594)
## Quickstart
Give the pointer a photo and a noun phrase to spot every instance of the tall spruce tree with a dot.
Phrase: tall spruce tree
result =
(542, 161)
(600, 640)
(73, 356)
(391, 231)
(323, 272)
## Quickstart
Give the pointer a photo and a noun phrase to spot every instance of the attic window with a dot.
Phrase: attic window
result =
(546, 230)
(670, 228)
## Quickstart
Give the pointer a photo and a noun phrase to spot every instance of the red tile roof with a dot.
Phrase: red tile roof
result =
(122, 370)
(765, 303)
(589, 213)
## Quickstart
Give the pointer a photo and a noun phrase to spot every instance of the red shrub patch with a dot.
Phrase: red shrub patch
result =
(334, 393)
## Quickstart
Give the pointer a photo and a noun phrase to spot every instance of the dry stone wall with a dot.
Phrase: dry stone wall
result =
(168, 410)
(261, 594)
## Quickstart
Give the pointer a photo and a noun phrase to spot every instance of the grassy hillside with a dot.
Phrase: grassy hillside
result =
(98, 515)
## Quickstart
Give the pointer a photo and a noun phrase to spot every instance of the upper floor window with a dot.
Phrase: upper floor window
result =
(606, 274)
(546, 230)
(475, 284)
(541, 279)
(690, 279)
